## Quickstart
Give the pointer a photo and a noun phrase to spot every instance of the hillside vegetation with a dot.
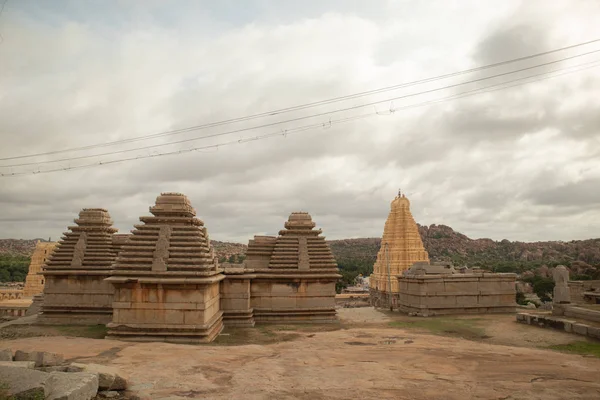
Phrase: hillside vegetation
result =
(357, 256)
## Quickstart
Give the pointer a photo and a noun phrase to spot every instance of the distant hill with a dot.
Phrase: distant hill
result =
(444, 244)
(441, 241)
(21, 247)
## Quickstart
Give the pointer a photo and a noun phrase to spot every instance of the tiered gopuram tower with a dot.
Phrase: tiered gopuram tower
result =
(401, 247)
(295, 274)
(75, 291)
(167, 278)
(34, 282)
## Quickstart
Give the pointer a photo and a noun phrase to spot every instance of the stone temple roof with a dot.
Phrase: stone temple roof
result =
(300, 247)
(87, 245)
(172, 242)
(300, 223)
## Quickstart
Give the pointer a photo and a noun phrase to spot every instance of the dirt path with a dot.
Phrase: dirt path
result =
(369, 362)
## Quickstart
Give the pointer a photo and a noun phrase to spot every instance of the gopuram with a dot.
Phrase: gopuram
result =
(401, 247)
(295, 274)
(403, 278)
(75, 291)
(34, 282)
(167, 278)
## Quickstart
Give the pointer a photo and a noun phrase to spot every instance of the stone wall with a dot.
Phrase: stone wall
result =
(579, 288)
(80, 299)
(11, 294)
(456, 294)
(13, 310)
(559, 323)
(302, 299)
(587, 314)
(170, 312)
(235, 299)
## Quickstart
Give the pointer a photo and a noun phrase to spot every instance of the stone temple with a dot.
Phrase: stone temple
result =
(163, 282)
(75, 291)
(403, 278)
(295, 274)
(401, 247)
(34, 282)
(167, 278)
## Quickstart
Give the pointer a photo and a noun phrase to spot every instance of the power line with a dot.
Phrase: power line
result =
(302, 106)
(327, 113)
(499, 86)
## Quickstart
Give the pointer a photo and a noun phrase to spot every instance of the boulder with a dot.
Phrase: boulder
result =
(41, 358)
(109, 378)
(23, 383)
(71, 386)
(6, 355)
(19, 364)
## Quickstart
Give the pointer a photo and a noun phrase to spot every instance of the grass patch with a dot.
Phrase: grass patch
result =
(92, 331)
(464, 328)
(583, 348)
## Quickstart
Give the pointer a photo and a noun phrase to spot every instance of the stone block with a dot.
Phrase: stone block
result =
(109, 378)
(593, 332)
(20, 364)
(71, 386)
(6, 355)
(24, 383)
(41, 358)
(568, 327)
(580, 329)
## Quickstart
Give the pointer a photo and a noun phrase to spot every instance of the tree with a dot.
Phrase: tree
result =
(544, 287)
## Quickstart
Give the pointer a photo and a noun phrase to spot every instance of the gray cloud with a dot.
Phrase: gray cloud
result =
(494, 165)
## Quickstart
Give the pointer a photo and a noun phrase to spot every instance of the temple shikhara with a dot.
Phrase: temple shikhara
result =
(167, 278)
(163, 282)
(295, 274)
(34, 282)
(401, 247)
(75, 291)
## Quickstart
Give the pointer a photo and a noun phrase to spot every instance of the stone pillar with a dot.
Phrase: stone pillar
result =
(561, 294)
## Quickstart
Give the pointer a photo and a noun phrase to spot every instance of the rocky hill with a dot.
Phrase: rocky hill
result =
(442, 243)
(445, 244)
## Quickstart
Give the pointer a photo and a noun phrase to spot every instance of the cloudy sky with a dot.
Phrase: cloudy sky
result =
(520, 163)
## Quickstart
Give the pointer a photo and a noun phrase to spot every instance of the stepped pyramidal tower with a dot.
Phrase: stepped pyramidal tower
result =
(34, 282)
(74, 289)
(295, 274)
(401, 247)
(167, 278)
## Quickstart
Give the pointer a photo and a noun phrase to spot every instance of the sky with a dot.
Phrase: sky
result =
(519, 162)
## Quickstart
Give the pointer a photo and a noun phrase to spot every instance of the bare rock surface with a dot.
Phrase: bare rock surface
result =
(373, 361)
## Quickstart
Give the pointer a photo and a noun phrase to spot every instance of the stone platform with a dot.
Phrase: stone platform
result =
(570, 325)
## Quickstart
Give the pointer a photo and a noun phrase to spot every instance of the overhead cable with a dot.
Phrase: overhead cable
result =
(301, 106)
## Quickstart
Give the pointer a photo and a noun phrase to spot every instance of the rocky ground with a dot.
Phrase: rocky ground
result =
(370, 355)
